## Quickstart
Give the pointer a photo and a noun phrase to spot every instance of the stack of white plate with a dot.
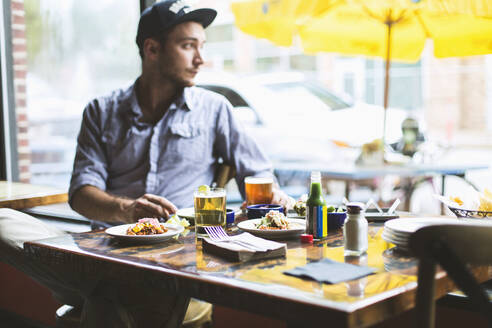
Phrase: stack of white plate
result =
(398, 231)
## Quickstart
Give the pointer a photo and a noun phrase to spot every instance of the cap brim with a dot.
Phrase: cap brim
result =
(204, 16)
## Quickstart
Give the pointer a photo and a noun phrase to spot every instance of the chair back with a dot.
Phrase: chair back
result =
(452, 247)
(223, 174)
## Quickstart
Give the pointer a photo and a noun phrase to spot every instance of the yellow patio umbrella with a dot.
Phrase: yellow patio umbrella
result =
(277, 21)
(389, 29)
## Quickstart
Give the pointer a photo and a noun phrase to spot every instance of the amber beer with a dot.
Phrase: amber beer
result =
(210, 209)
(258, 190)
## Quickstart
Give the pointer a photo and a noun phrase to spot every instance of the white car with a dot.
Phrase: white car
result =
(297, 120)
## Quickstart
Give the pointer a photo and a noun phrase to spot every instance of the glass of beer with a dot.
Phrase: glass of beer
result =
(258, 190)
(210, 209)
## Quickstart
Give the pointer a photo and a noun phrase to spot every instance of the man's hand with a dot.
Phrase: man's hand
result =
(281, 198)
(149, 206)
(97, 204)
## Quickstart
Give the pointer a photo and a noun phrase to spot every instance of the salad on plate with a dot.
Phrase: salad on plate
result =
(273, 220)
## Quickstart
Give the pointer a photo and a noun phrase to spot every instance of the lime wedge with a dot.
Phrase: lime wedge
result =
(203, 189)
(330, 208)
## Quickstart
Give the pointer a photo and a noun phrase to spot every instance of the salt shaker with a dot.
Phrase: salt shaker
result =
(355, 230)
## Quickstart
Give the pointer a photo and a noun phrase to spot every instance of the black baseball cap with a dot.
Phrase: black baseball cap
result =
(165, 14)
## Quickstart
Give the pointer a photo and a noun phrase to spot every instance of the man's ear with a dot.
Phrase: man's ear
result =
(151, 48)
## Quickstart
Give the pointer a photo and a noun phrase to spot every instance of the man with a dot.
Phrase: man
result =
(142, 151)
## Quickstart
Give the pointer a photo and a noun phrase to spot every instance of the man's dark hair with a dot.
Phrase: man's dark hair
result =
(162, 39)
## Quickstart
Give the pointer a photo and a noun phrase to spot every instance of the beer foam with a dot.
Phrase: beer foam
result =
(210, 194)
(258, 180)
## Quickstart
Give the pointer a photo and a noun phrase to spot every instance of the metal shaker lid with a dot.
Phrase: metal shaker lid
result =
(354, 207)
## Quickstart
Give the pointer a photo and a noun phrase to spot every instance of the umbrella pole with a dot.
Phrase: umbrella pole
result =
(386, 83)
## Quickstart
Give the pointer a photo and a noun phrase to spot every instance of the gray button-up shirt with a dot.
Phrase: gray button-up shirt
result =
(118, 153)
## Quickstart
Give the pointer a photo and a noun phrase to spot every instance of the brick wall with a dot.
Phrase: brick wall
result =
(19, 49)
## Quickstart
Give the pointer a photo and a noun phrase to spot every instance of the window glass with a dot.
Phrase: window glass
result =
(76, 51)
(303, 62)
(234, 98)
(267, 64)
(405, 90)
(220, 33)
(309, 93)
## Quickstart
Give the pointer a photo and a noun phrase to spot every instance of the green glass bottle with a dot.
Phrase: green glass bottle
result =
(316, 224)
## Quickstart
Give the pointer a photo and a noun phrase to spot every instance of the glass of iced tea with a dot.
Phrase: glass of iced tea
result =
(210, 209)
(258, 190)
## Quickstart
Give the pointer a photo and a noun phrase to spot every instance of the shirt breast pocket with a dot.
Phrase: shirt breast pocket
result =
(187, 142)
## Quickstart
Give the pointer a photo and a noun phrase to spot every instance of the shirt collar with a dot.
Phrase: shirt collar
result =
(183, 100)
(134, 106)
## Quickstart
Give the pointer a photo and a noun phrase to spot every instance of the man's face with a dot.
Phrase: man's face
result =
(180, 57)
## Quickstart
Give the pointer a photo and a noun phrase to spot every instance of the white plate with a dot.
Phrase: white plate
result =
(409, 225)
(399, 239)
(403, 246)
(397, 233)
(298, 226)
(391, 239)
(119, 232)
(187, 213)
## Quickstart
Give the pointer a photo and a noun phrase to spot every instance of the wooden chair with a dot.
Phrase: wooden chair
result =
(457, 300)
(452, 247)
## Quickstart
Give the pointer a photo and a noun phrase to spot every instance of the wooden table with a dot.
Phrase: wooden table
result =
(18, 195)
(180, 267)
(356, 173)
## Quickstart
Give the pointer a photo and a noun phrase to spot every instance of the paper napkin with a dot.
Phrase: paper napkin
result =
(330, 271)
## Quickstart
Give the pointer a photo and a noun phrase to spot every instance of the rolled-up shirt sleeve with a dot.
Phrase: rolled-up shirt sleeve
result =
(237, 147)
(90, 164)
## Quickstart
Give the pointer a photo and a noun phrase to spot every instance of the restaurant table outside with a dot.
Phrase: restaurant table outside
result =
(179, 267)
(18, 195)
(356, 173)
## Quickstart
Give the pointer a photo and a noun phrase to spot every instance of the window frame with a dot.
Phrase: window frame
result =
(9, 157)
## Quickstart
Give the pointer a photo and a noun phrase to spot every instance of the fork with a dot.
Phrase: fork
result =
(217, 233)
